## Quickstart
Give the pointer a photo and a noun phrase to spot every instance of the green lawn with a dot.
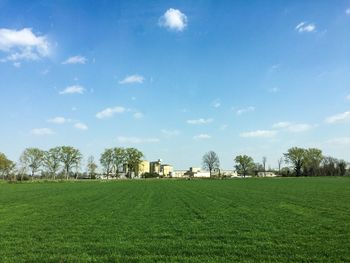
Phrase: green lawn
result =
(271, 220)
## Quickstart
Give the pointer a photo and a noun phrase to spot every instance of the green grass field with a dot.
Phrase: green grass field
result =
(271, 220)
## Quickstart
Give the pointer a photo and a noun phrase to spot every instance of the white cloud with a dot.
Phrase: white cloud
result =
(305, 27)
(347, 11)
(132, 79)
(274, 90)
(109, 112)
(58, 120)
(23, 45)
(348, 97)
(75, 89)
(299, 127)
(17, 64)
(216, 103)
(259, 134)
(292, 127)
(223, 127)
(41, 131)
(200, 121)
(75, 60)
(339, 141)
(136, 140)
(170, 133)
(281, 125)
(138, 115)
(202, 136)
(245, 110)
(341, 117)
(173, 19)
(80, 126)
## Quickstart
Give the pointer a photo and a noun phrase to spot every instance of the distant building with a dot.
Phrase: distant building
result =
(196, 173)
(266, 174)
(144, 167)
(166, 170)
(155, 167)
(229, 173)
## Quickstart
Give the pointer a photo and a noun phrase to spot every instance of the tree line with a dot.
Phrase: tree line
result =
(299, 162)
(65, 162)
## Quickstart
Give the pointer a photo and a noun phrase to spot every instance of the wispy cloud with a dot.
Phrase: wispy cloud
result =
(138, 115)
(173, 19)
(202, 136)
(259, 134)
(300, 127)
(347, 11)
(223, 127)
(348, 97)
(110, 112)
(75, 89)
(138, 79)
(41, 131)
(341, 117)
(81, 126)
(216, 103)
(58, 120)
(200, 121)
(281, 125)
(75, 60)
(305, 27)
(23, 44)
(339, 141)
(136, 140)
(292, 127)
(170, 133)
(245, 110)
(273, 90)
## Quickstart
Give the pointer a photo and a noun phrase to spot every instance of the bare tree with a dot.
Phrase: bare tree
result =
(280, 162)
(264, 159)
(91, 167)
(211, 161)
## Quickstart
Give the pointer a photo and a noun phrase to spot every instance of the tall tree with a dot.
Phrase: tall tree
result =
(32, 158)
(342, 167)
(211, 161)
(296, 156)
(133, 160)
(119, 159)
(70, 157)
(52, 161)
(106, 160)
(264, 159)
(313, 159)
(91, 167)
(280, 162)
(6, 166)
(244, 164)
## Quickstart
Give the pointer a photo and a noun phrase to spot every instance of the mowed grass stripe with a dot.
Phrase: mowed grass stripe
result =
(270, 220)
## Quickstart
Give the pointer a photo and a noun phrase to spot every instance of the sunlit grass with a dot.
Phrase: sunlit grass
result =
(306, 219)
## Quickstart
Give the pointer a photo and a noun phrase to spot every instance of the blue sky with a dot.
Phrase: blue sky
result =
(176, 78)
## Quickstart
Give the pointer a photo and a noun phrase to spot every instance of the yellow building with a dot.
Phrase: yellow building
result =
(155, 167)
(144, 167)
(167, 170)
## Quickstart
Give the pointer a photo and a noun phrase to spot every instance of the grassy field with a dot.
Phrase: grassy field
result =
(273, 220)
